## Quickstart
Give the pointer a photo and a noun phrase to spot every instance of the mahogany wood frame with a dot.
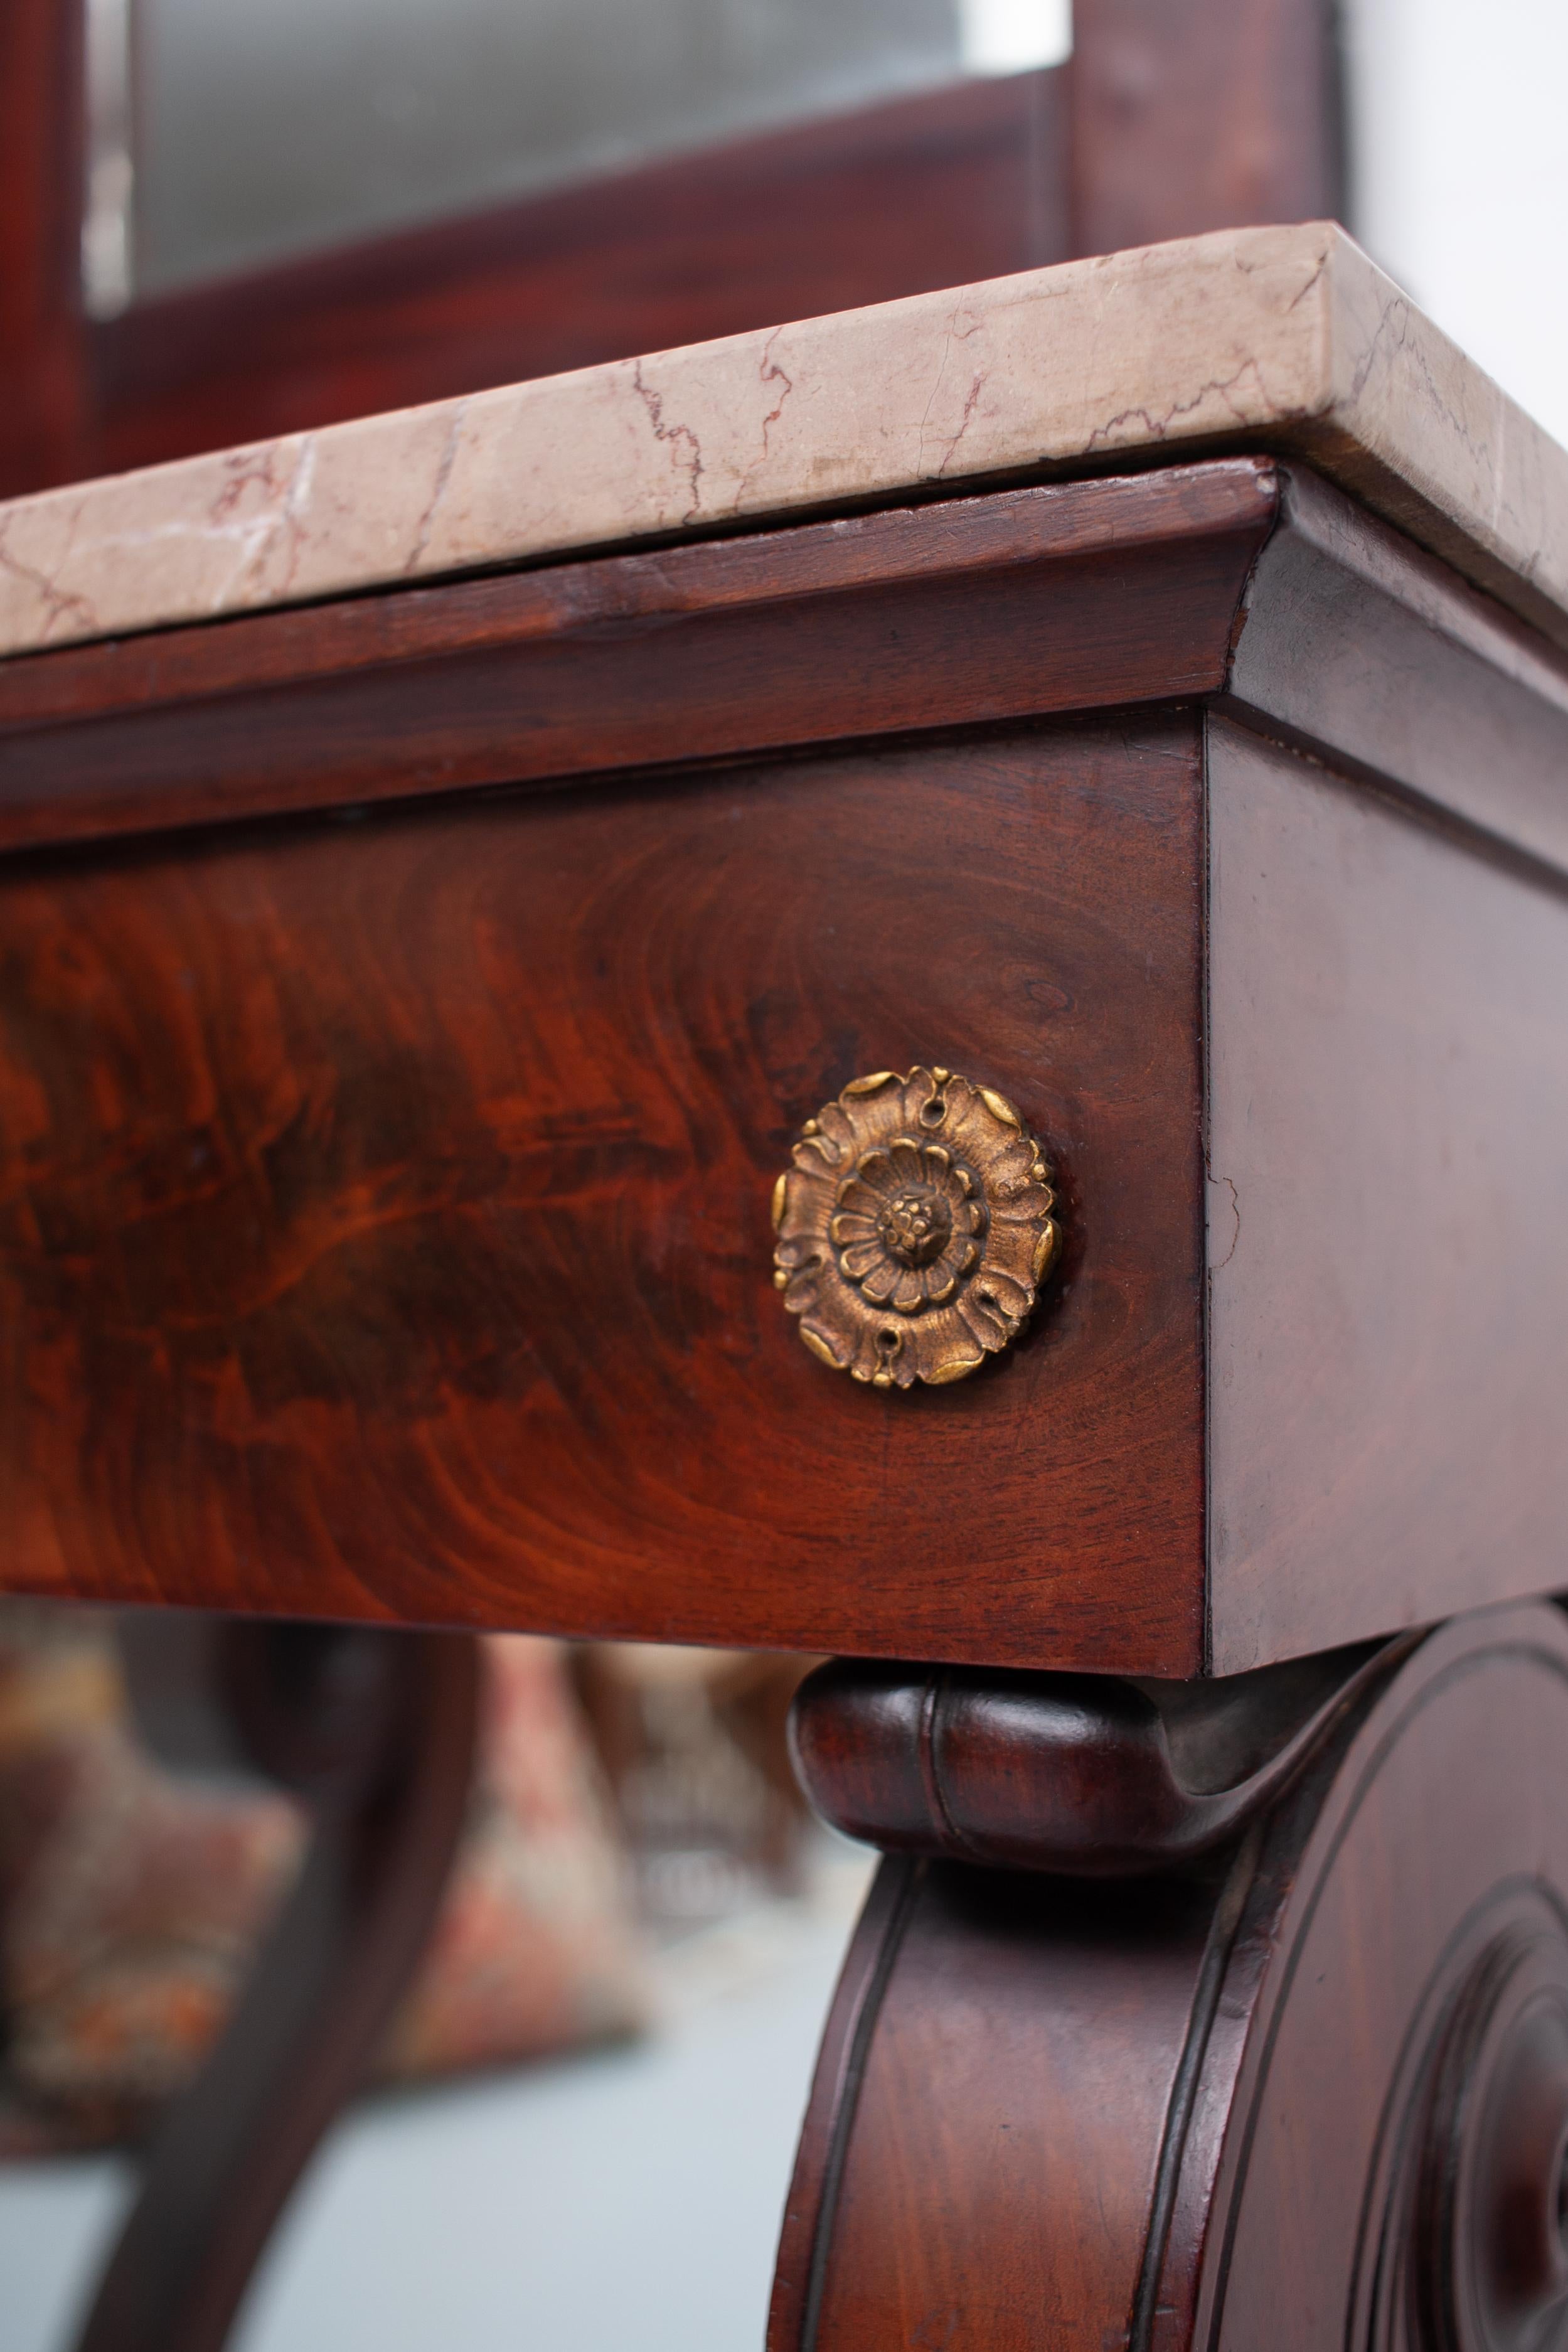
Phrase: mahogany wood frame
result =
(42, 423)
(1104, 672)
(1135, 1955)
(1063, 596)
(1311, 2091)
(1173, 117)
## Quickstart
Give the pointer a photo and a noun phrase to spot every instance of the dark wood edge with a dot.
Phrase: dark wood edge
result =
(805, 2238)
(384, 1753)
(1224, 1926)
(1301, 1844)
(1259, 587)
(42, 330)
(1062, 596)
(1080, 1775)
(953, 538)
(1362, 650)
(1190, 115)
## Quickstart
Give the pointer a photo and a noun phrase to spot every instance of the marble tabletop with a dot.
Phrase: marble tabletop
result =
(1282, 339)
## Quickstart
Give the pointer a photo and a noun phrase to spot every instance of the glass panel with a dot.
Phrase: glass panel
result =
(263, 131)
(1459, 175)
(105, 236)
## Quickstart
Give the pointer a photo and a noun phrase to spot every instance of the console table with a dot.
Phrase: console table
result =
(898, 988)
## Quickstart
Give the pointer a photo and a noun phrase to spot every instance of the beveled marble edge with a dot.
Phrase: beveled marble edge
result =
(1285, 338)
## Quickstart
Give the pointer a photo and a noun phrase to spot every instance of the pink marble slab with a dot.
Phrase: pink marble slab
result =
(1287, 339)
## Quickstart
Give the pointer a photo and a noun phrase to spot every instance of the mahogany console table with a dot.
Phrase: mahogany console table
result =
(900, 988)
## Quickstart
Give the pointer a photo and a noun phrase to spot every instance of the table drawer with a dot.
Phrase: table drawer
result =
(386, 1224)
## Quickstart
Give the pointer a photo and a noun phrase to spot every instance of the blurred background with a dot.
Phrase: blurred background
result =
(219, 220)
(583, 2125)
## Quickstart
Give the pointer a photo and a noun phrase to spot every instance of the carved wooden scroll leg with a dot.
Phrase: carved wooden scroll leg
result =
(1294, 2078)
(376, 1729)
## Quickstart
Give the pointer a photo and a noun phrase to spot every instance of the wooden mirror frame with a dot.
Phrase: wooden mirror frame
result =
(1172, 116)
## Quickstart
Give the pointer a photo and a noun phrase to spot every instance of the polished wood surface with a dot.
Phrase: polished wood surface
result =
(992, 2177)
(385, 1153)
(801, 2273)
(42, 331)
(1189, 115)
(1304, 617)
(375, 1730)
(1080, 1773)
(408, 1006)
(446, 1119)
(1372, 2008)
(1364, 652)
(1311, 2091)
(1064, 596)
(387, 1223)
(1388, 1156)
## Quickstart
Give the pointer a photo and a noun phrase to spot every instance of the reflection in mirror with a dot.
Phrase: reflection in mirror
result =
(106, 245)
(584, 2119)
(257, 133)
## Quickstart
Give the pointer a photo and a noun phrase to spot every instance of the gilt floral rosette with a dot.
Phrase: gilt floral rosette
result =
(915, 1228)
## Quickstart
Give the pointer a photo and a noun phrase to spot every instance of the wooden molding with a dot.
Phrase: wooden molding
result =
(1077, 1774)
(1065, 597)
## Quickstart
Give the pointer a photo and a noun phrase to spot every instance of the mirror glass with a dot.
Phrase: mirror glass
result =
(227, 136)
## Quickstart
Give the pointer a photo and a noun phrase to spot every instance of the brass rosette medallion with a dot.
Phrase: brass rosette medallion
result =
(915, 1228)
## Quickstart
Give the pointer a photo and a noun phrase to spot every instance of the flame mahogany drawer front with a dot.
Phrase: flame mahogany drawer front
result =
(410, 1007)
(393, 1231)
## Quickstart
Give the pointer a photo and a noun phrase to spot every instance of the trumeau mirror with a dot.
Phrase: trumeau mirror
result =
(1458, 175)
(231, 221)
(227, 136)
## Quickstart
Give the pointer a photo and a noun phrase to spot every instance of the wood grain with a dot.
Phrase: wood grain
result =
(1190, 115)
(383, 1209)
(1003, 2155)
(1058, 597)
(1354, 646)
(1083, 1775)
(1388, 1141)
(1312, 2093)
(42, 331)
(375, 1028)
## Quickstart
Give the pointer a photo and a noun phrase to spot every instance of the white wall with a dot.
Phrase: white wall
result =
(1460, 167)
